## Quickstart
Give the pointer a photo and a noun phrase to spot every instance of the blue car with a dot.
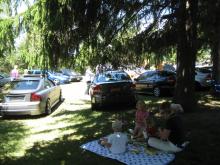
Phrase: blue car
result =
(58, 78)
(217, 89)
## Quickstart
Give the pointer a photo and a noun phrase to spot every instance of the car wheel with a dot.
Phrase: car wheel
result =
(56, 81)
(61, 97)
(94, 104)
(48, 108)
(157, 91)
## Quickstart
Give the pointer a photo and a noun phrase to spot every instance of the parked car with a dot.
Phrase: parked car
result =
(35, 72)
(203, 77)
(72, 74)
(112, 87)
(155, 82)
(4, 78)
(30, 96)
(215, 90)
(58, 78)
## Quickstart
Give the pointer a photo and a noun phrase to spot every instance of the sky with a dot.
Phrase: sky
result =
(22, 8)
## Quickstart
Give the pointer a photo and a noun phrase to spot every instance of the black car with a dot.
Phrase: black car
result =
(112, 88)
(155, 82)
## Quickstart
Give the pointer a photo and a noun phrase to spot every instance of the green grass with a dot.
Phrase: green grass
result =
(56, 139)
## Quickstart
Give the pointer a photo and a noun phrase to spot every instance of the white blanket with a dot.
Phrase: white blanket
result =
(130, 157)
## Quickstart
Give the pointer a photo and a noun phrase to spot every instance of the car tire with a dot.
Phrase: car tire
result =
(48, 108)
(94, 105)
(56, 81)
(60, 98)
(157, 91)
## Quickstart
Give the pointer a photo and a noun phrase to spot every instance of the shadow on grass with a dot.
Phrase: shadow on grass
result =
(11, 134)
(81, 126)
(86, 126)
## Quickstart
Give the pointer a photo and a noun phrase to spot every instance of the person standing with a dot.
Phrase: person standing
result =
(14, 73)
(141, 116)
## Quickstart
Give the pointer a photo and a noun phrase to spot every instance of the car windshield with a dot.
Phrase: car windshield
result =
(22, 85)
(4, 75)
(113, 76)
(204, 70)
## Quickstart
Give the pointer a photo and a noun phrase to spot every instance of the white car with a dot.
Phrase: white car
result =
(29, 96)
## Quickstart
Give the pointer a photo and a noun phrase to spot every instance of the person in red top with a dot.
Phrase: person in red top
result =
(140, 119)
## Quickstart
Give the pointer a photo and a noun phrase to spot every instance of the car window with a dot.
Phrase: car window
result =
(4, 75)
(37, 72)
(146, 75)
(203, 70)
(113, 76)
(48, 84)
(23, 85)
(166, 74)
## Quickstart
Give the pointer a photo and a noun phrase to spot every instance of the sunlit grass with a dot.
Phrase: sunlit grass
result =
(47, 129)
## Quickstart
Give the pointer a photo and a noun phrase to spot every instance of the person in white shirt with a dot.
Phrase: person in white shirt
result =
(116, 142)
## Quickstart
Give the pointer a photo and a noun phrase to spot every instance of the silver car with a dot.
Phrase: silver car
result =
(29, 96)
(203, 77)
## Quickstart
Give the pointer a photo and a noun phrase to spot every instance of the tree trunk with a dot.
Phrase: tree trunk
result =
(216, 60)
(215, 42)
(186, 55)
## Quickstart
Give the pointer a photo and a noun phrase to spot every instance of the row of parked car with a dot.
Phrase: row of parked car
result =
(62, 76)
(33, 95)
(113, 87)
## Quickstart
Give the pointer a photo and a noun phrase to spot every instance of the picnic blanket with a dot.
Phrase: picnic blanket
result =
(135, 154)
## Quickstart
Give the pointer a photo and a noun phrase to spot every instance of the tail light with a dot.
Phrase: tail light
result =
(96, 89)
(171, 79)
(35, 97)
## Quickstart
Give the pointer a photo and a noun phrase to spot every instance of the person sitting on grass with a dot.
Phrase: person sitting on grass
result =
(171, 137)
(116, 142)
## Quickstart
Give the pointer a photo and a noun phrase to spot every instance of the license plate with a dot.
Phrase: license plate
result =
(19, 98)
(115, 89)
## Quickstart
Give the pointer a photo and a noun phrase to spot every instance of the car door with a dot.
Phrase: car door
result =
(149, 81)
(50, 91)
(55, 90)
(142, 82)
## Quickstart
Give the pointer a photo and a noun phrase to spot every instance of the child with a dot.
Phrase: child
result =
(117, 141)
(140, 119)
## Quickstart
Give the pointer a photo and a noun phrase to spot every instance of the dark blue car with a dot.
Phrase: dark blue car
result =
(58, 78)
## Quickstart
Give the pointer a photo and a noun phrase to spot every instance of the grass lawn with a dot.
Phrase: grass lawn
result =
(55, 139)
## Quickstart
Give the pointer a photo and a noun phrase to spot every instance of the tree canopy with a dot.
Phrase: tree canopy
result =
(68, 33)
